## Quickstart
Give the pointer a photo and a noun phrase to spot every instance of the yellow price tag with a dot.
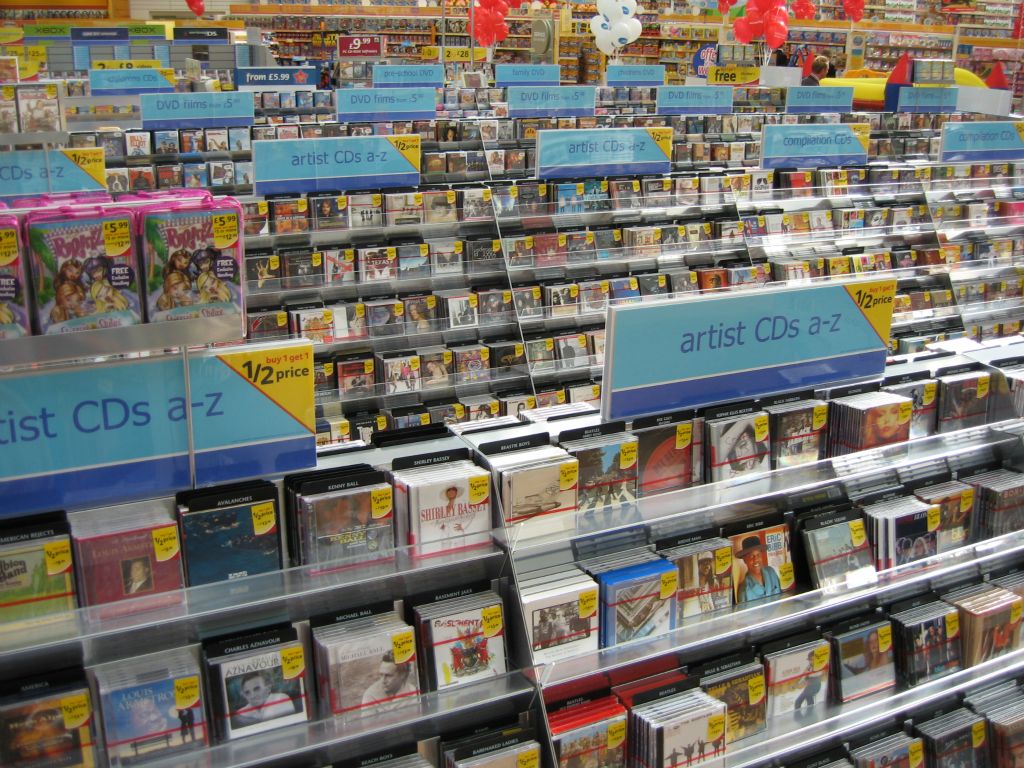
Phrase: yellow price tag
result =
(1015, 611)
(8, 246)
(165, 543)
(293, 662)
(761, 428)
(282, 319)
(528, 759)
(684, 435)
(58, 557)
(983, 384)
(493, 620)
(627, 455)
(884, 638)
(819, 658)
(978, 733)
(568, 475)
(934, 517)
(479, 489)
(723, 560)
(381, 503)
(858, 536)
(588, 603)
(264, 517)
(952, 625)
(75, 710)
(786, 576)
(317, 259)
(616, 733)
(930, 390)
(755, 689)
(915, 752)
(225, 230)
(403, 646)
(117, 236)
(820, 417)
(669, 584)
(716, 727)
(966, 499)
(186, 692)
(906, 410)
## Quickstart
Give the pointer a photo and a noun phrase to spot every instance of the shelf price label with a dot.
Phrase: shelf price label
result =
(635, 74)
(343, 163)
(814, 146)
(605, 152)
(359, 46)
(694, 100)
(506, 75)
(399, 75)
(197, 110)
(379, 104)
(816, 100)
(926, 99)
(537, 101)
(765, 342)
(39, 172)
(287, 78)
(983, 141)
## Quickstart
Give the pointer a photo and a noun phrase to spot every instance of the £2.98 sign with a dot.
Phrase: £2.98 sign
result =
(717, 349)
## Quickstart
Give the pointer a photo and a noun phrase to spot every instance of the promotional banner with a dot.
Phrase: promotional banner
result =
(264, 78)
(205, 35)
(350, 162)
(603, 152)
(380, 104)
(987, 141)
(39, 172)
(527, 74)
(359, 46)
(635, 74)
(398, 75)
(98, 35)
(733, 74)
(813, 146)
(98, 434)
(565, 101)
(694, 100)
(703, 58)
(927, 100)
(729, 347)
(816, 100)
(125, 82)
(197, 110)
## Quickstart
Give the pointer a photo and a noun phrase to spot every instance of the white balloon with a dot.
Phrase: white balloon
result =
(628, 7)
(627, 31)
(599, 23)
(610, 8)
(606, 47)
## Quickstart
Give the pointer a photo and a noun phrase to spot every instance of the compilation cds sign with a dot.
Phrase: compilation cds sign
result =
(124, 82)
(694, 100)
(603, 152)
(737, 346)
(816, 100)
(565, 101)
(814, 146)
(350, 162)
(378, 104)
(39, 172)
(197, 110)
(78, 436)
(987, 141)
(527, 74)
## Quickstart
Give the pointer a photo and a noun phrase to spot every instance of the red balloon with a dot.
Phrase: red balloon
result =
(775, 34)
(198, 7)
(741, 29)
(756, 28)
(723, 7)
(754, 8)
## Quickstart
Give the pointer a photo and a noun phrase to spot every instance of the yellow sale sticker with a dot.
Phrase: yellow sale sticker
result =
(723, 560)
(966, 499)
(983, 385)
(588, 603)
(403, 646)
(186, 692)
(819, 658)
(884, 638)
(568, 475)
(627, 455)
(934, 517)
(858, 536)
(820, 417)
(915, 751)
(293, 662)
(225, 230)
(952, 625)
(528, 759)
(479, 489)
(282, 375)
(716, 727)
(381, 503)
(905, 412)
(76, 710)
(684, 435)
(755, 689)
(786, 577)
(616, 733)
(8, 246)
(493, 620)
(117, 236)
(761, 428)
(1015, 611)
(669, 584)
(264, 518)
(930, 390)
(165, 543)
(978, 734)
(58, 557)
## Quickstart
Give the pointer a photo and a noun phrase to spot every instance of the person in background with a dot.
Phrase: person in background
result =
(782, 57)
(818, 71)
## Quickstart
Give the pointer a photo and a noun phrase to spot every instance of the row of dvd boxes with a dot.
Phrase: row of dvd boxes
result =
(100, 266)
(346, 666)
(694, 714)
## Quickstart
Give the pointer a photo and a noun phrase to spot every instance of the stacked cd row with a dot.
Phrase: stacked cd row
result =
(353, 665)
(695, 713)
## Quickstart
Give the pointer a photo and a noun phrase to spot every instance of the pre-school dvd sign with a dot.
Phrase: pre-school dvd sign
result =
(669, 355)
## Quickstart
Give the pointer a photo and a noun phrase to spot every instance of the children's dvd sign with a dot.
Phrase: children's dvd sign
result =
(723, 348)
(982, 142)
(814, 146)
(350, 162)
(603, 152)
(635, 74)
(80, 436)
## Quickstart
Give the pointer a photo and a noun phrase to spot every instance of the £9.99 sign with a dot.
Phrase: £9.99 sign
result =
(357, 46)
